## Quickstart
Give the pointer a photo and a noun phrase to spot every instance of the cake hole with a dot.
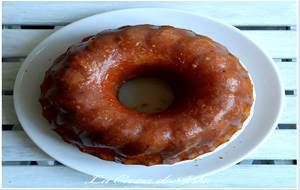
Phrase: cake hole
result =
(146, 94)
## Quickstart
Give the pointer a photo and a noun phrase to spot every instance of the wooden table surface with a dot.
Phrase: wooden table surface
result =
(272, 24)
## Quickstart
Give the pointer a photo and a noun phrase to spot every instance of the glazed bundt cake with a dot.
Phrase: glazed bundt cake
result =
(213, 95)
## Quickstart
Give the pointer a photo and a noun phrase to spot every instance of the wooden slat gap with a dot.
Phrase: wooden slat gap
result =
(263, 27)
(285, 60)
(287, 126)
(241, 27)
(32, 26)
(37, 27)
(7, 127)
(13, 59)
(7, 93)
(288, 60)
(274, 162)
(290, 92)
(269, 162)
(252, 162)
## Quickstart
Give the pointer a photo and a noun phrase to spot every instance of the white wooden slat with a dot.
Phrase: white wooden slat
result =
(9, 74)
(19, 43)
(279, 43)
(282, 145)
(238, 176)
(249, 13)
(288, 72)
(8, 111)
(289, 115)
(17, 146)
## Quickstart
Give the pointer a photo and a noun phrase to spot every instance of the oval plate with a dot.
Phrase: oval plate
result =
(266, 77)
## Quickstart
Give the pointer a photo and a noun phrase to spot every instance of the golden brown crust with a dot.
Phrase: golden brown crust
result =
(213, 95)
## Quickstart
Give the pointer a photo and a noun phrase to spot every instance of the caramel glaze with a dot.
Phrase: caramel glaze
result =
(213, 95)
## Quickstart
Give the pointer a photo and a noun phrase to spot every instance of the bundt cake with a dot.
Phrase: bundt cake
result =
(213, 95)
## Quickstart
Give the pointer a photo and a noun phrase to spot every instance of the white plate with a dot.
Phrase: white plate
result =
(268, 85)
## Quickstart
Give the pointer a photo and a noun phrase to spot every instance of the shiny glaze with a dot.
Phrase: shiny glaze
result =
(212, 98)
